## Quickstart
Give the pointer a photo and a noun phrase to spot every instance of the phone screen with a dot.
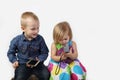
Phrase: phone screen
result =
(32, 62)
(66, 48)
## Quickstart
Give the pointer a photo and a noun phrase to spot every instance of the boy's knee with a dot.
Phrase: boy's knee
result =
(19, 78)
(45, 76)
(33, 77)
(12, 79)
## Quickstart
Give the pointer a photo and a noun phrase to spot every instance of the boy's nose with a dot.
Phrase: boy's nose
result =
(36, 31)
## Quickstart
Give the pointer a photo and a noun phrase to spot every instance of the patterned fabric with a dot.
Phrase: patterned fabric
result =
(68, 69)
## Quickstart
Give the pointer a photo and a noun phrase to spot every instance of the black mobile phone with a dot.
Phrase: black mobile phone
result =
(33, 63)
(66, 48)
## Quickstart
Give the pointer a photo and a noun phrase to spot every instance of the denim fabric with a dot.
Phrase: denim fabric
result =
(23, 72)
(22, 49)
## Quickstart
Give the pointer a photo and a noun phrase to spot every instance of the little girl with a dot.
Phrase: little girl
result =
(64, 64)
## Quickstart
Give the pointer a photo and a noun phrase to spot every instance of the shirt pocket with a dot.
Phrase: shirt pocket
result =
(23, 49)
(34, 49)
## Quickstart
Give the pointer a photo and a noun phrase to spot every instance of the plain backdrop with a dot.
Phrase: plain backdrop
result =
(95, 25)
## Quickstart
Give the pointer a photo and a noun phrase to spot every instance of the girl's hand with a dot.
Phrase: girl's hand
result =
(63, 57)
(15, 64)
(68, 54)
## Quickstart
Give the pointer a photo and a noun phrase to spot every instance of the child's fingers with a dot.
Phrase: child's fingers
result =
(28, 65)
(62, 53)
(37, 59)
(64, 57)
(15, 64)
(70, 50)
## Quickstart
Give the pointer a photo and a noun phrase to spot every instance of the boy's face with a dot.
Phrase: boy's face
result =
(32, 28)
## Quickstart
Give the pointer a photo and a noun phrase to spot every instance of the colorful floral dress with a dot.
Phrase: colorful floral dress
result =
(67, 69)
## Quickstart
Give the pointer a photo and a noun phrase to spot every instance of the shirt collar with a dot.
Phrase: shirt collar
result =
(25, 39)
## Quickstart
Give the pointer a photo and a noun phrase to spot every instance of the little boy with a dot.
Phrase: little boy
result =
(26, 46)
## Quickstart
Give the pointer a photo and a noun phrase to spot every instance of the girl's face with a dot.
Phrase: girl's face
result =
(32, 29)
(64, 40)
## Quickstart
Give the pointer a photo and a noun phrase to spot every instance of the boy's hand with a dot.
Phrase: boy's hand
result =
(28, 65)
(31, 66)
(15, 64)
(37, 59)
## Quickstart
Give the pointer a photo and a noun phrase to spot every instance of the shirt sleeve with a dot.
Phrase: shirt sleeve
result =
(12, 51)
(43, 50)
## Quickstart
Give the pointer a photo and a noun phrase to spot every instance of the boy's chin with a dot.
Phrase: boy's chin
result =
(34, 36)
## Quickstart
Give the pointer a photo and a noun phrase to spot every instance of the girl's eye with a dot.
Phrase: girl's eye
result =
(60, 40)
(33, 29)
(65, 39)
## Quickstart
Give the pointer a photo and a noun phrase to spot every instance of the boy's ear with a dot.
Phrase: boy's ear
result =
(23, 28)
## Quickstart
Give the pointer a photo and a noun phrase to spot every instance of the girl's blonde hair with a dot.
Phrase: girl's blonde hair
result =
(60, 30)
(26, 15)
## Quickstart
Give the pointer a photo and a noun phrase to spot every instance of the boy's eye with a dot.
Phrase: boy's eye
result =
(35, 28)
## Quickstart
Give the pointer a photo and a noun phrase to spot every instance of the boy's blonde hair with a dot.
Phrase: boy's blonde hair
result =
(60, 30)
(26, 15)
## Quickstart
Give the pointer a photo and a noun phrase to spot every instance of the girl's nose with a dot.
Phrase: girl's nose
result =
(64, 41)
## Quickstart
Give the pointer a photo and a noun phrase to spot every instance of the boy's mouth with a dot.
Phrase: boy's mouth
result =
(34, 35)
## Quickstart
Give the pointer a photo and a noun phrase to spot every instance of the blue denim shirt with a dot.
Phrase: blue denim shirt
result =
(22, 49)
